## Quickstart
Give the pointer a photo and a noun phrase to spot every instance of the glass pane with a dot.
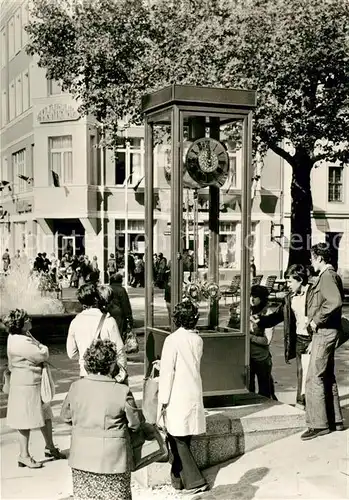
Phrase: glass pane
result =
(68, 167)
(56, 163)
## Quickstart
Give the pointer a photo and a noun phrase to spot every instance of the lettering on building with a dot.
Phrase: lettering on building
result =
(58, 113)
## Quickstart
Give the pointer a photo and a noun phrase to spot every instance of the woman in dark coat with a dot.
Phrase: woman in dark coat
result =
(120, 307)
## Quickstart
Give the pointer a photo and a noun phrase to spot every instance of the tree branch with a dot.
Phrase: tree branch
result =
(281, 152)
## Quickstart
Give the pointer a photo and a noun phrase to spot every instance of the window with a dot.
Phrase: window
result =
(3, 108)
(18, 31)
(12, 102)
(133, 154)
(26, 90)
(11, 38)
(54, 87)
(3, 48)
(19, 168)
(61, 158)
(19, 95)
(335, 184)
(25, 20)
(4, 170)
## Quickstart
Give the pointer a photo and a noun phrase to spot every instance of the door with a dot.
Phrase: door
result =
(68, 245)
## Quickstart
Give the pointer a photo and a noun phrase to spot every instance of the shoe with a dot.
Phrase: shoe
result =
(194, 491)
(314, 433)
(54, 453)
(337, 427)
(300, 406)
(29, 462)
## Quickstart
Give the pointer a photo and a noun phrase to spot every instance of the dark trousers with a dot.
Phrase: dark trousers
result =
(262, 370)
(301, 348)
(184, 471)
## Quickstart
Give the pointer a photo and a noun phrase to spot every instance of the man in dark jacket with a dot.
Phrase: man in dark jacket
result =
(293, 312)
(323, 412)
(120, 308)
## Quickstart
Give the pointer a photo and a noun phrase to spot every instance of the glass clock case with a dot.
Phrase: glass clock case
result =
(197, 220)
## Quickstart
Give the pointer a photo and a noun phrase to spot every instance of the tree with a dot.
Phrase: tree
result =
(294, 53)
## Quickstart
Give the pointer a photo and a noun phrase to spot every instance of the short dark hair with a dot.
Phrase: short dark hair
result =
(322, 250)
(260, 292)
(298, 272)
(101, 357)
(116, 278)
(14, 321)
(186, 314)
(87, 295)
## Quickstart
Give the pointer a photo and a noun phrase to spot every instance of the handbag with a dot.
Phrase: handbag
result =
(343, 333)
(148, 445)
(48, 389)
(151, 396)
(305, 359)
(6, 379)
(100, 326)
(131, 343)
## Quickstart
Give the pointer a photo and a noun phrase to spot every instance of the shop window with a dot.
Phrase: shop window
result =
(61, 159)
(19, 169)
(335, 184)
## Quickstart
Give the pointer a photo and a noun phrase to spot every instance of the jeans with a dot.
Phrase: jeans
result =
(321, 391)
(262, 370)
(301, 348)
(184, 471)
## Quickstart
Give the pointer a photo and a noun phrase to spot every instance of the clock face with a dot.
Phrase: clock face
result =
(207, 162)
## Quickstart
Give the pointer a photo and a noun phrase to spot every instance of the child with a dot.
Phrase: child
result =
(260, 338)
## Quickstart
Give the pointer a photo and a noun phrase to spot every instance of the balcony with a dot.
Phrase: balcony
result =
(65, 202)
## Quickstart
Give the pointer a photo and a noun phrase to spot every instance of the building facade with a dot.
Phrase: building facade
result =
(61, 193)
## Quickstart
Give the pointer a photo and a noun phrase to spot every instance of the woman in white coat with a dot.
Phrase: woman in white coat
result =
(180, 396)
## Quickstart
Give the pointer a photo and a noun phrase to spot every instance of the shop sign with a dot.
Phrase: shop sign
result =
(58, 113)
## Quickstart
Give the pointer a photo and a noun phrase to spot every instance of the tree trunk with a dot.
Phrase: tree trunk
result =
(301, 207)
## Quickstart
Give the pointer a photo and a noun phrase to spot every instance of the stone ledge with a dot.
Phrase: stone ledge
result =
(233, 431)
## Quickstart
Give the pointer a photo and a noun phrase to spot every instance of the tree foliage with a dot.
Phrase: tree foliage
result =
(295, 53)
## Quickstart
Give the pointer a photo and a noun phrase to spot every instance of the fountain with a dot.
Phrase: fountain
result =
(25, 290)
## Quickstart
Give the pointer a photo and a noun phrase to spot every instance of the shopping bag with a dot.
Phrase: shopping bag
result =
(6, 381)
(131, 343)
(305, 359)
(343, 334)
(148, 446)
(151, 396)
(48, 389)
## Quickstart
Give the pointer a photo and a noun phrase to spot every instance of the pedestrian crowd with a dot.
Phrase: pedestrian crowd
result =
(101, 408)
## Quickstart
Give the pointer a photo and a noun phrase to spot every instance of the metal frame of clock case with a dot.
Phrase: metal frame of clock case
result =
(169, 106)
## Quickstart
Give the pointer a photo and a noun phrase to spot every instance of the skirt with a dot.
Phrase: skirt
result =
(25, 410)
(92, 486)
